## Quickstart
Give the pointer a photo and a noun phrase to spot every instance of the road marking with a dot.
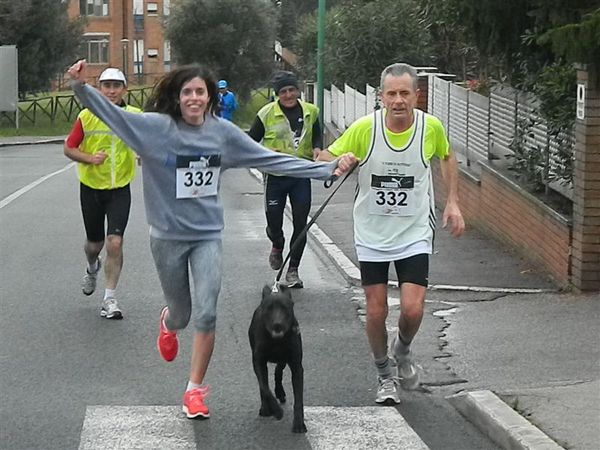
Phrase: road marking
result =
(7, 200)
(371, 427)
(165, 427)
(136, 427)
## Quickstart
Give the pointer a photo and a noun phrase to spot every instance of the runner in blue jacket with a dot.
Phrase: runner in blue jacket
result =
(227, 101)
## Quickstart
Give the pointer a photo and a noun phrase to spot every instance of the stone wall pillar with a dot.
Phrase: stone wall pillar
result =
(585, 252)
(423, 86)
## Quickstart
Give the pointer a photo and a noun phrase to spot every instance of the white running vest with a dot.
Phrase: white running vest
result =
(394, 213)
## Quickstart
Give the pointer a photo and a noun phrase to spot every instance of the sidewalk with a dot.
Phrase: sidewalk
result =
(25, 140)
(476, 270)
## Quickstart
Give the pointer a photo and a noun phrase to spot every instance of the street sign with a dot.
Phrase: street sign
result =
(9, 74)
(580, 101)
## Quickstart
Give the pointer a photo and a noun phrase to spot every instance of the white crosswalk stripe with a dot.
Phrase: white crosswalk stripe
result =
(165, 428)
(337, 428)
(136, 427)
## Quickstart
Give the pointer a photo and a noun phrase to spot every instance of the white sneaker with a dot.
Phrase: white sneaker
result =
(88, 284)
(292, 279)
(387, 392)
(110, 309)
(407, 370)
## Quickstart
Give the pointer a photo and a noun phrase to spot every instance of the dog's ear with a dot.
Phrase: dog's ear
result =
(266, 291)
(286, 291)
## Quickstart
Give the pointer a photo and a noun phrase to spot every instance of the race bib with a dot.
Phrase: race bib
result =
(392, 195)
(197, 176)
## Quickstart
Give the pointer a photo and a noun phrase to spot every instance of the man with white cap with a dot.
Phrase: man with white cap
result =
(106, 166)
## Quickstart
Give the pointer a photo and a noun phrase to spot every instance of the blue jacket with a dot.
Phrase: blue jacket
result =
(228, 105)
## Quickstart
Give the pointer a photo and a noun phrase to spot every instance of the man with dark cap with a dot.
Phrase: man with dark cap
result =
(291, 126)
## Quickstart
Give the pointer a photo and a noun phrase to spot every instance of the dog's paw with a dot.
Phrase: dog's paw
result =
(298, 427)
(265, 411)
(280, 394)
(278, 412)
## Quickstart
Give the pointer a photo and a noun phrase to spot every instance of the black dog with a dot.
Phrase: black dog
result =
(275, 337)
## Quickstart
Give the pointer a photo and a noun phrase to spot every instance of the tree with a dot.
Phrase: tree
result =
(290, 13)
(234, 38)
(512, 37)
(362, 38)
(496, 29)
(47, 41)
(454, 52)
(577, 42)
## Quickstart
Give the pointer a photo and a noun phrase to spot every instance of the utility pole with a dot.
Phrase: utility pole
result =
(320, 48)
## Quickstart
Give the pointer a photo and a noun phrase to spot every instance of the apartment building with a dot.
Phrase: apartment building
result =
(127, 34)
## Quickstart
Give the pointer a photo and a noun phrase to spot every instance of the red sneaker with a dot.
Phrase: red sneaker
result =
(193, 403)
(167, 342)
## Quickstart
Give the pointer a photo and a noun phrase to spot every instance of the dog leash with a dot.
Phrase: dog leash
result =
(328, 183)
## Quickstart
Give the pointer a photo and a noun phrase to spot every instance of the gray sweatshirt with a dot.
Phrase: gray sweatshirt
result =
(182, 165)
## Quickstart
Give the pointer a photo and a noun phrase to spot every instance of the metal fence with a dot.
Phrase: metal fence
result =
(58, 108)
(341, 108)
(478, 127)
(481, 127)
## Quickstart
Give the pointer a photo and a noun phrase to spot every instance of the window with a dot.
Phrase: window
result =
(167, 56)
(166, 7)
(153, 9)
(97, 8)
(138, 56)
(96, 47)
(138, 15)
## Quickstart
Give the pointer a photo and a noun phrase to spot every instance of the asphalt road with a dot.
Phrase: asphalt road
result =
(61, 365)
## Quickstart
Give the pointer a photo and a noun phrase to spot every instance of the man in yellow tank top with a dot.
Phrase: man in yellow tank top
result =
(106, 166)
(394, 216)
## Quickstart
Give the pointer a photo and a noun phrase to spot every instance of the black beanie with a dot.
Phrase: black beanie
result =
(283, 79)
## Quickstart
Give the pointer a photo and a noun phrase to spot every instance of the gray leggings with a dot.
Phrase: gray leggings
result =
(205, 265)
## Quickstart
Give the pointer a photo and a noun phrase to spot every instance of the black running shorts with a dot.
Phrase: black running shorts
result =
(96, 204)
(414, 269)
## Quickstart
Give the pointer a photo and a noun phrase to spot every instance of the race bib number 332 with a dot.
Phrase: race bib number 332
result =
(392, 195)
(197, 176)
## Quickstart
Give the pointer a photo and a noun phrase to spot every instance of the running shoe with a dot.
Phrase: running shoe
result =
(110, 309)
(88, 284)
(387, 392)
(408, 373)
(167, 342)
(276, 258)
(292, 279)
(193, 403)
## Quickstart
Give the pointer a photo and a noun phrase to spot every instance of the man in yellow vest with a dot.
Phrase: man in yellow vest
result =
(291, 126)
(106, 166)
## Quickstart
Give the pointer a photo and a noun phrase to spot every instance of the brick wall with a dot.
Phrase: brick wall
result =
(118, 25)
(501, 208)
(586, 198)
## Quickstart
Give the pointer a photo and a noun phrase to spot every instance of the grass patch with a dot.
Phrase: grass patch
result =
(246, 113)
(58, 129)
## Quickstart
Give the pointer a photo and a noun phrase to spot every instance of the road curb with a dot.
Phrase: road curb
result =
(500, 422)
(58, 140)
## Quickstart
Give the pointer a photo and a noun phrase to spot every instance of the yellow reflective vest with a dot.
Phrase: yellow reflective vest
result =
(118, 169)
(279, 135)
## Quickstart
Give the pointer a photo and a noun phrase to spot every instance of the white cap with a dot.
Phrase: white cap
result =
(112, 74)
